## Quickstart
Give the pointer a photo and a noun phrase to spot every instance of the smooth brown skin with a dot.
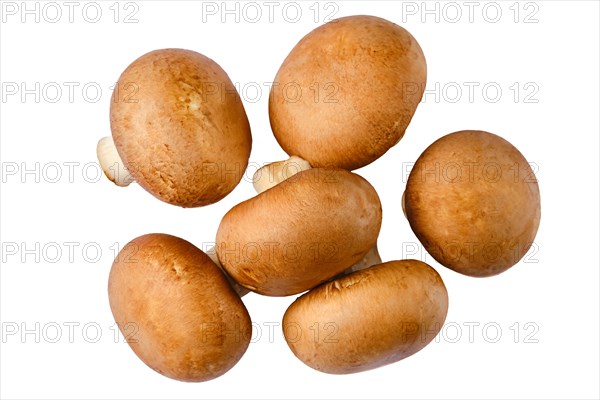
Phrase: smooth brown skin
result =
(177, 310)
(361, 80)
(367, 319)
(180, 127)
(299, 233)
(474, 203)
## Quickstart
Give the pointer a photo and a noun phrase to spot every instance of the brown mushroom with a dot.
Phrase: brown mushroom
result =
(473, 201)
(347, 91)
(367, 319)
(179, 129)
(176, 309)
(300, 232)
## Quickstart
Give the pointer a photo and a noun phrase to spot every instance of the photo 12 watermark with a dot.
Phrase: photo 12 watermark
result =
(472, 171)
(67, 332)
(490, 251)
(452, 12)
(276, 251)
(253, 12)
(55, 12)
(475, 92)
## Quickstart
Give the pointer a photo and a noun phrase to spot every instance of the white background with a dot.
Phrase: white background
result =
(546, 308)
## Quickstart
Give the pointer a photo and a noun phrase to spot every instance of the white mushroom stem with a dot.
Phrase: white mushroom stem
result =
(272, 174)
(370, 259)
(239, 289)
(111, 162)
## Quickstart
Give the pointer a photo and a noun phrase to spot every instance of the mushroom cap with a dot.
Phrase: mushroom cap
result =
(176, 309)
(347, 91)
(299, 233)
(367, 319)
(180, 127)
(473, 201)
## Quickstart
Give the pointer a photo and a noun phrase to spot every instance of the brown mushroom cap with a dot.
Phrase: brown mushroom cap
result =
(474, 203)
(180, 127)
(347, 91)
(299, 233)
(177, 310)
(367, 319)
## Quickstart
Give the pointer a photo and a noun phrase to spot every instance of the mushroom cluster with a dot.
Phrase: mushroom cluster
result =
(180, 130)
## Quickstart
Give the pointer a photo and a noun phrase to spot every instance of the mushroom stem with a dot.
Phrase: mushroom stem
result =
(239, 289)
(370, 259)
(272, 174)
(111, 162)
